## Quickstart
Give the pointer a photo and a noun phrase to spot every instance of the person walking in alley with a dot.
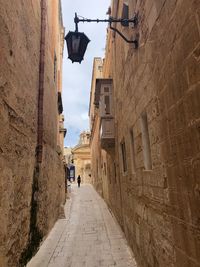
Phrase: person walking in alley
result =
(79, 180)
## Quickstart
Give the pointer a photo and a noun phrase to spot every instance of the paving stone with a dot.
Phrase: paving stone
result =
(89, 237)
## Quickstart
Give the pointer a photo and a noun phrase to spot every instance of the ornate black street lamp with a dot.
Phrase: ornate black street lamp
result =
(77, 41)
(76, 45)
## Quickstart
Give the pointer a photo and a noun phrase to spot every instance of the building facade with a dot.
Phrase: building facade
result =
(68, 155)
(96, 179)
(32, 187)
(146, 164)
(82, 158)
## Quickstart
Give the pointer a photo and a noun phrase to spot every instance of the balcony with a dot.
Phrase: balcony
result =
(103, 102)
(107, 133)
(101, 86)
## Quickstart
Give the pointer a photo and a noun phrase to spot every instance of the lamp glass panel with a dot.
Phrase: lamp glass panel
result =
(75, 43)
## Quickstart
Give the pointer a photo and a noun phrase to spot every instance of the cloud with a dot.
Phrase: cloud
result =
(77, 77)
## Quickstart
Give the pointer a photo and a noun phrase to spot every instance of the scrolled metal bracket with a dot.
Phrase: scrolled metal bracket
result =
(111, 20)
(134, 42)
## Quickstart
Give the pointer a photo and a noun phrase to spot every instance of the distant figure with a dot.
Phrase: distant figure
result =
(79, 180)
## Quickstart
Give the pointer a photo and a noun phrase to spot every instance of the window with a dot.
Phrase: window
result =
(104, 168)
(60, 105)
(133, 163)
(146, 142)
(106, 89)
(115, 172)
(55, 68)
(97, 167)
(123, 152)
(105, 97)
(107, 104)
(100, 68)
(125, 13)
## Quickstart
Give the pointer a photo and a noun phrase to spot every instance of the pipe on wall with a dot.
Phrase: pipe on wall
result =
(39, 149)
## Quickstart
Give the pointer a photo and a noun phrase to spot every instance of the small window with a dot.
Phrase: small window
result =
(55, 68)
(106, 89)
(100, 68)
(109, 174)
(97, 167)
(133, 163)
(115, 172)
(146, 142)
(60, 105)
(107, 104)
(123, 152)
(105, 168)
(125, 14)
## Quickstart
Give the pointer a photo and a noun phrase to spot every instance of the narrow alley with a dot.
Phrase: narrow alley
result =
(123, 120)
(90, 236)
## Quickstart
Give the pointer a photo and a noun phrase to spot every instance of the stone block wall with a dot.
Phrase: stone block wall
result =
(95, 149)
(19, 81)
(157, 115)
(96, 158)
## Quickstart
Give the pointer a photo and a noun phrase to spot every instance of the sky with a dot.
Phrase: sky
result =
(77, 77)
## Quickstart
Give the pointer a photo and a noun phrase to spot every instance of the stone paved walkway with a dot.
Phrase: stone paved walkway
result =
(90, 237)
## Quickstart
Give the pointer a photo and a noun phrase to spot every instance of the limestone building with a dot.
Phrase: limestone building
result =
(62, 133)
(82, 158)
(31, 138)
(68, 155)
(98, 156)
(145, 139)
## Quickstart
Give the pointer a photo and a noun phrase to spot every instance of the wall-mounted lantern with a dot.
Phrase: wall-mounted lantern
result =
(76, 45)
(77, 41)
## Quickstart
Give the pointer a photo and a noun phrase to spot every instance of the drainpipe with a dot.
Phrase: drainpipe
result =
(39, 148)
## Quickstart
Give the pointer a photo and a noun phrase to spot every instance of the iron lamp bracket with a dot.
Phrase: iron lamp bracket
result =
(111, 20)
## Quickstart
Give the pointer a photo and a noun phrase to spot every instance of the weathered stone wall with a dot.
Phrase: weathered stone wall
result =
(19, 74)
(96, 158)
(157, 198)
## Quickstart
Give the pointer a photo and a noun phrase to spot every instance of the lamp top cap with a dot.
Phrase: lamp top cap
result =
(80, 34)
